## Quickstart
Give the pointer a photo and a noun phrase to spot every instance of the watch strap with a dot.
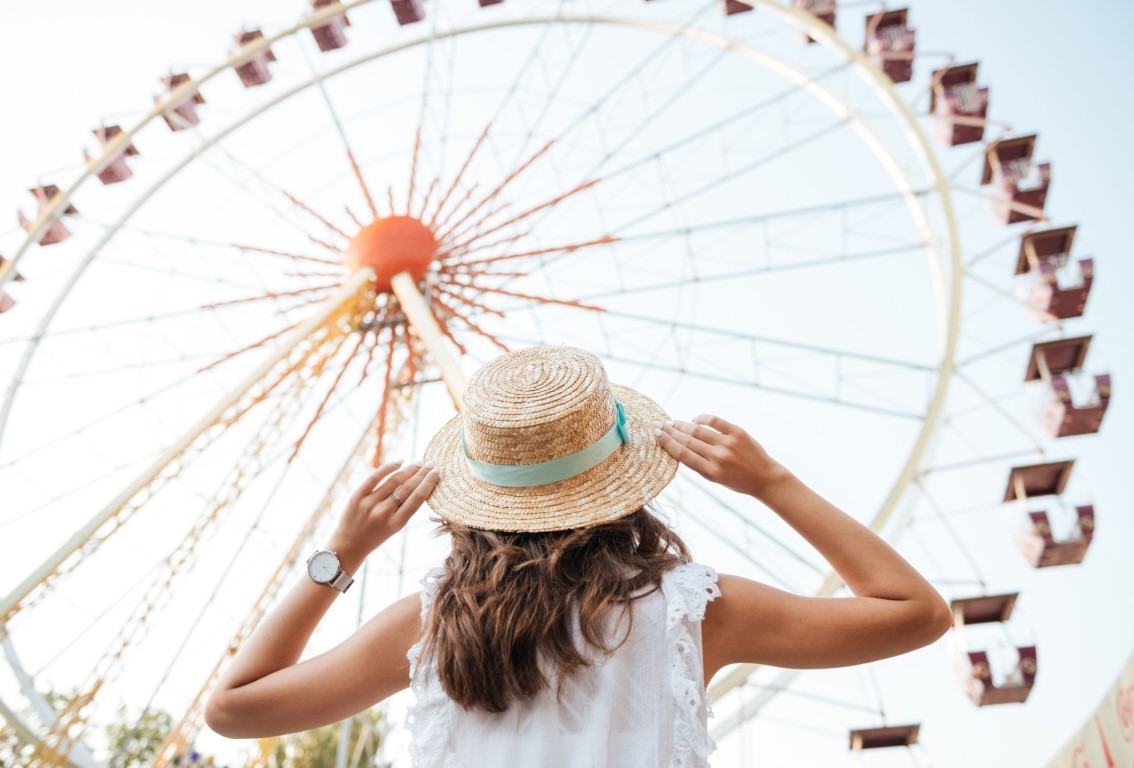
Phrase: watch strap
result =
(342, 581)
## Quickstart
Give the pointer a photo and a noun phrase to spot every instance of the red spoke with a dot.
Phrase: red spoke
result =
(445, 330)
(253, 345)
(326, 398)
(447, 272)
(456, 251)
(384, 407)
(304, 207)
(456, 208)
(457, 178)
(540, 299)
(279, 379)
(465, 300)
(300, 305)
(353, 218)
(500, 187)
(362, 183)
(482, 220)
(539, 252)
(410, 368)
(311, 274)
(271, 296)
(328, 246)
(428, 194)
(470, 324)
(413, 170)
(379, 317)
(530, 211)
(296, 256)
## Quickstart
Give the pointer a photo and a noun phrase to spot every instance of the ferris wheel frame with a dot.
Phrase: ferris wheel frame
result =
(947, 269)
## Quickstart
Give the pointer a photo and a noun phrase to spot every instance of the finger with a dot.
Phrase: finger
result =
(373, 479)
(383, 489)
(681, 452)
(682, 432)
(704, 434)
(425, 481)
(719, 424)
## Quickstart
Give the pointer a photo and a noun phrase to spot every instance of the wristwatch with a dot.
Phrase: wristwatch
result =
(323, 568)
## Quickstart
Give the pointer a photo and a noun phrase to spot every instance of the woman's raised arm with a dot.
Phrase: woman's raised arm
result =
(894, 609)
(265, 692)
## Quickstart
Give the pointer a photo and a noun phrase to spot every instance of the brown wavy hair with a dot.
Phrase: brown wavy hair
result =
(506, 600)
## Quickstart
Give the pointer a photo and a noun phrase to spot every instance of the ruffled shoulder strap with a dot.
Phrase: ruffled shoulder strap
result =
(688, 589)
(429, 717)
(692, 586)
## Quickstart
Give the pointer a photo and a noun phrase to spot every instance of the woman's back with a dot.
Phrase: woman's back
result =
(542, 483)
(642, 705)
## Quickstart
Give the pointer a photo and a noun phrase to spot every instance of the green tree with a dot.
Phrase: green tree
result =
(318, 748)
(134, 739)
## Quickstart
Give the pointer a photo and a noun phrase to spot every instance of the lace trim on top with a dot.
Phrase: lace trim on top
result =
(690, 587)
(428, 718)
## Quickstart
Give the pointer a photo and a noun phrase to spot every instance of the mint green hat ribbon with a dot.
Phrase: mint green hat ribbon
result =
(527, 475)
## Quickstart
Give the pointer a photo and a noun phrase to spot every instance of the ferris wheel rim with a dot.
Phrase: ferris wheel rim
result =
(824, 33)
(944, 192)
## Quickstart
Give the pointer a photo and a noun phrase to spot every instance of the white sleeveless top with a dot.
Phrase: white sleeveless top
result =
(643, 706)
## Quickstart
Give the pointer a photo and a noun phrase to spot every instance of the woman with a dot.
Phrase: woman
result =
(568, 626)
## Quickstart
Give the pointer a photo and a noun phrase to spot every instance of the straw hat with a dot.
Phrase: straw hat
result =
(539, 446)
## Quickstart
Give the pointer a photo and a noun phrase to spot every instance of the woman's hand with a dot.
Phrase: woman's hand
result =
(266, 690)
(894, 609)
(722, 452)
(373, 513)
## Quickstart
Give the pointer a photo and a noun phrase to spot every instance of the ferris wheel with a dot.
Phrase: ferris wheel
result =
(785, 212)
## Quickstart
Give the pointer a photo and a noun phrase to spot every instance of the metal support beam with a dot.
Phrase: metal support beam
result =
(15, 600)
(424, 324)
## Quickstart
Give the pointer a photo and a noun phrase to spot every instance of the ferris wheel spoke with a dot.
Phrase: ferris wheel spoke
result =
(701, 133)
(185, 730)
(86, 426)
(738, 547)
(198, 242)
(434, 224)
(710, 492)
(451, 231)
(1000, 294)
(83, 633)
(242, 177)
(731, 276)
(788, 344)
(950, 529)
(741, 171)
(426, 88)
(71, 722)
(356, 170)
(90, 373)
(737, 173)
(997, 406)
(997, 349)
(763, 218)
(232, 406)
(572, 61)
(632, 72)
(734, 380)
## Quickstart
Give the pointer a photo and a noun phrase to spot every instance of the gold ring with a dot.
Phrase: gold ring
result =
(397, 501)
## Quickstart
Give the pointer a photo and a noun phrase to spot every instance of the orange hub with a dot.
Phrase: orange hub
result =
(391, 245)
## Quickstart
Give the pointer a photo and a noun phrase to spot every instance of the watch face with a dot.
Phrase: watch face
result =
(323, 566)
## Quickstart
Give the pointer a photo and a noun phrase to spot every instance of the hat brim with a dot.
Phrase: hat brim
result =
(623, 482)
